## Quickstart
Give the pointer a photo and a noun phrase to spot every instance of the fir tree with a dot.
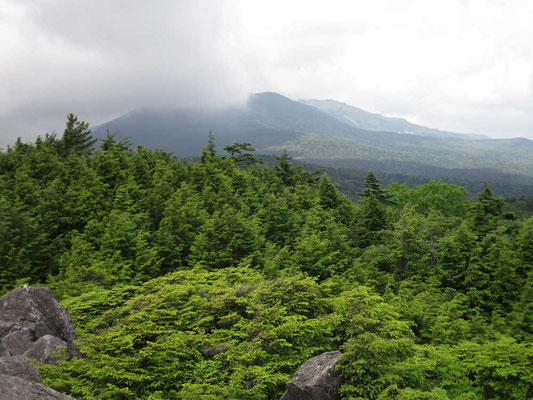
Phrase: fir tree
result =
(329, 196)
(373, 188)
(284, 170)
(77, 138)
(210, 151)
(486, 211)
(238, 153)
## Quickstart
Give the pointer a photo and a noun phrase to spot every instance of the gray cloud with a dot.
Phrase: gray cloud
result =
(456, 65)
(100, 59)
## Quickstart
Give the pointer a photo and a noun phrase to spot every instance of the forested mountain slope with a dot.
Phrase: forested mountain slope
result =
(274, 123)
(215, 279)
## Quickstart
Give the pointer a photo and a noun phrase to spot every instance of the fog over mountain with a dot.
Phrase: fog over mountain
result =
(257, 200)
(459, 66)
(321, 136)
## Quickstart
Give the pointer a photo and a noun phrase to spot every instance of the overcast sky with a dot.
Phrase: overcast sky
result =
(463, 66)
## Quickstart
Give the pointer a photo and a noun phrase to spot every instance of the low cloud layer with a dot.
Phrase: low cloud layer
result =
(455, 65)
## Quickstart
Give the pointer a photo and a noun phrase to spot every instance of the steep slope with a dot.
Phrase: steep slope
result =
(272, 123)
(267, 119)
(360, 118)
(184, 132)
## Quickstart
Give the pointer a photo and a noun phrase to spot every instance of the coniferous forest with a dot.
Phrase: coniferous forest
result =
(217, 278)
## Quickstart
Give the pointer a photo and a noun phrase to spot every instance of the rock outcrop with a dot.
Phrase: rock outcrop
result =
(20, 380)
(20, 367)
(15, 388)
(316, 379)
(28, 314)
(32, 325)
(45, 349)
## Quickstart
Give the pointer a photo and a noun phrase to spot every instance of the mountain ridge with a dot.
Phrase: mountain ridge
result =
(377, 122)
(273, 123)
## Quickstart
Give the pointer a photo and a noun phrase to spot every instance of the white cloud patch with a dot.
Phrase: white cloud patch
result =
(455, 65)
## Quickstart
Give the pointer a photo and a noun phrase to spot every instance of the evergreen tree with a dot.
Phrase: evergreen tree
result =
(525, 243)
(291, 175)
(210, 151)
(77, 138)
(373, 188)
(329, 195)
(371, 222)
(284, 170)
(238, 152)
(486, 211)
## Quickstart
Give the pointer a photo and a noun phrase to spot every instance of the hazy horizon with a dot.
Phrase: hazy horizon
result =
(461, 66)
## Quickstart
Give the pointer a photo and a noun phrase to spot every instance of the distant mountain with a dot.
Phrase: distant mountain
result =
(273, 123)
(376, 122)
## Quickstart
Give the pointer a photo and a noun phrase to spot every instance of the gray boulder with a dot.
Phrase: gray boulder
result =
(46, 349)
(20, 367)
(17, 342)
(15, 388)
(3, 349)
(30, 313)
(32, 325)
(316, 379)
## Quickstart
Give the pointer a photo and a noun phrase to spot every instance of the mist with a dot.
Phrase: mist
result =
(463, 66)
(101, 59)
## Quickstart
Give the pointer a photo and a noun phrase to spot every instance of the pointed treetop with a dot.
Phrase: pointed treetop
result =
(211, 147)
(373, 189)
(77, 138)
(488, 203)
(210, 151)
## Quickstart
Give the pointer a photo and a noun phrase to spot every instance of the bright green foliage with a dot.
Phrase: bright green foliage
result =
(377, 341)
(194, 334)
(501, 369)
(449, 200)
(215, 279)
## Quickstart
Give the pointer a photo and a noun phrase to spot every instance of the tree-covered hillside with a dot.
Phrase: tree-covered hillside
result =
(274, 123)
(215, 279)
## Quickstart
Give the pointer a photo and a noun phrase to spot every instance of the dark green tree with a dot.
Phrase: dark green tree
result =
(77, 138)
(372, 215)
(210, 151)
(371, 222)
(284, 170)
(525, 243)
(291, 175)
(240, 154)
(373, 188)
(329, 195)
(486, 211)
(110, 141)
